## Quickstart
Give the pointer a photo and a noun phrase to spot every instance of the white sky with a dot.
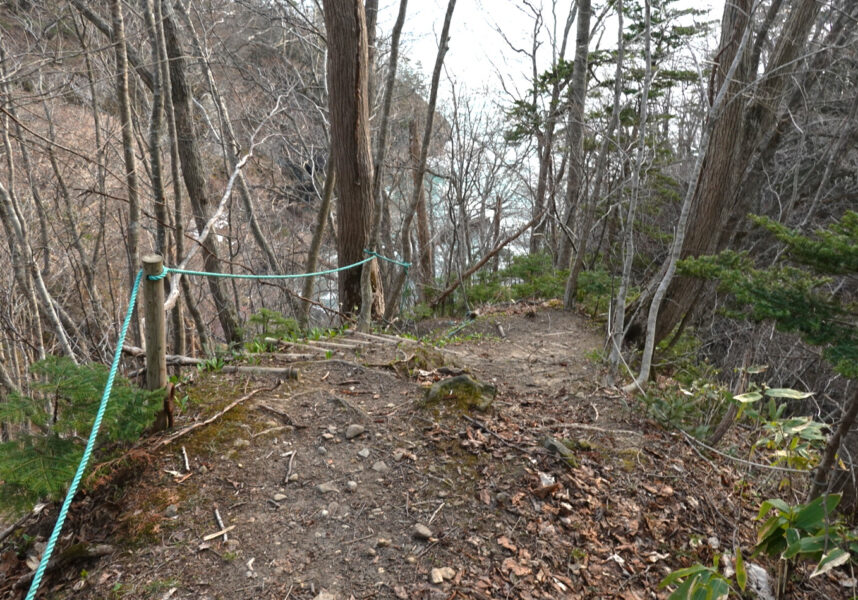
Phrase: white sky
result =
(478, 53)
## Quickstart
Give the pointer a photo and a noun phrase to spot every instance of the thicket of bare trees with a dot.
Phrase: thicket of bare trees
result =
(263, 137)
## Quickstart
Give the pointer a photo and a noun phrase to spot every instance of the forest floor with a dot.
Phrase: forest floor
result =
(341, 485)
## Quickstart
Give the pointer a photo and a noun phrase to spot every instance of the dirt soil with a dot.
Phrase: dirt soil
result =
(341, 485)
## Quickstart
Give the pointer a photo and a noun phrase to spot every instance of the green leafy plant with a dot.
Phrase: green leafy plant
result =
(41, 460)
(808, 531)
(213, 364)
(699, 582)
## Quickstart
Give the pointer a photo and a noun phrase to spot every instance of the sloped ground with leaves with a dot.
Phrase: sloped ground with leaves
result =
(342, 485)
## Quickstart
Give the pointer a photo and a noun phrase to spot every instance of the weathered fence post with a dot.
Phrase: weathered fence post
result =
(156, 332)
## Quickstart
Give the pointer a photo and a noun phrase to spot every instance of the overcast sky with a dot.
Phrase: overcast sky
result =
(478, 52)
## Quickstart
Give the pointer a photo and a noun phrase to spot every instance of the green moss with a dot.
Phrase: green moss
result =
(462, 392)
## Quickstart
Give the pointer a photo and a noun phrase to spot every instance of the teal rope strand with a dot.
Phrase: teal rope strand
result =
(252, 276)
(90, 444)
(394, 261)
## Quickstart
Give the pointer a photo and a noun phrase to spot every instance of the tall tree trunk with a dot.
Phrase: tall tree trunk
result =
(424, 247)
(546, 143)
(575, 186)
(193, 173)
(349, 110)
(747, 118)
(129, 156)
(316, 243)
(721, 111)
(404, 233)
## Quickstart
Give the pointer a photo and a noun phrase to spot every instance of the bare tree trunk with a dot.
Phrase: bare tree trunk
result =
(230, 145)
(822, 472)
(316, 243)
(404, 236)
(133, 241)
(719, 197)
(424, 248)
(349, 108)
(721, 115)
(575, 188)
(546, 143)
(192, 172)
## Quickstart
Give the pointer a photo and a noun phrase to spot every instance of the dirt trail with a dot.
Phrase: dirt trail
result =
(340, 484)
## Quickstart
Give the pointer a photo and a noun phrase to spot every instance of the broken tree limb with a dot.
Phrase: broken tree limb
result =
(172, 438)
(500, 246)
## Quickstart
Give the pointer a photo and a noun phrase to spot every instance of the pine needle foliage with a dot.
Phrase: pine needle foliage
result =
(798, 293)
(54, 424)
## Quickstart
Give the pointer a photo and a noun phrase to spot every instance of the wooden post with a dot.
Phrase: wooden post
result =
(156, 332)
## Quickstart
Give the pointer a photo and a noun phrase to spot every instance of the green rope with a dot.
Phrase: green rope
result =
(252, 276)
(90, 444)
(394, 261)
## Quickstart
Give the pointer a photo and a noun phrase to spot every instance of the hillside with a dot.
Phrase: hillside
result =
(315, 505)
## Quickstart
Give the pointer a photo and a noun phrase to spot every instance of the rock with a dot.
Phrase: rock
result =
(172, 511)
(383, 542)
(327, 488)
(354, 430)
(380, 467)
(241, 443)
(351, 486)
(462, 392)
(364, 453)
(322, 450)
(328, 436)
(759, 582)
(280, 497)
(421, 532)
(332, 428)
(442, 574)
(324, 596)
(558, 447)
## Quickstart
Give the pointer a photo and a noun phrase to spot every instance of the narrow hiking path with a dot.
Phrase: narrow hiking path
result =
(341, 486)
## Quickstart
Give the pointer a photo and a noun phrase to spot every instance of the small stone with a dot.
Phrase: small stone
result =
(421, 532)
(411, 559)
(324, 596)
(440, 575)
(364, 453)
(332, 428)
(172, 511)
(370, 551)
(351, 486)
(383, 542)
(398, 454)
(203, 469)
(328, 436)
(380, 467)
(322, 450)
(327, 488)
(293, 477)
(280, 497)
(354, 430)
(241, 443)
(324, 513)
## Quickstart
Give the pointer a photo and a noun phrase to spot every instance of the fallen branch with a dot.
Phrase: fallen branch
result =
(173, 437)
(500, 246)
(72, 553)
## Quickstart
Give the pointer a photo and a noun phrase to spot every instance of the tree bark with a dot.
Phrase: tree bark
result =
(404, 233)
(350, 139)
(193, 173)
(128, 154)
(575, 188)
(719, 199)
